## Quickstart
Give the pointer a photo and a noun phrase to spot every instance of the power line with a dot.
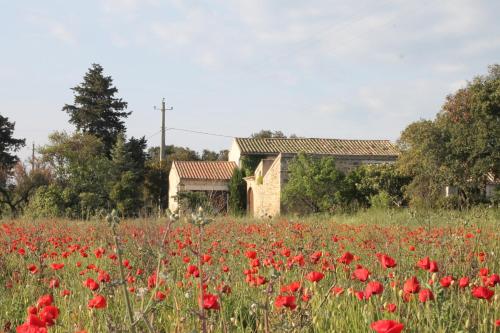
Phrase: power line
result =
(199, 132)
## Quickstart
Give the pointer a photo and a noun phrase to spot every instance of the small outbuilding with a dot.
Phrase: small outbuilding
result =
(208, 177)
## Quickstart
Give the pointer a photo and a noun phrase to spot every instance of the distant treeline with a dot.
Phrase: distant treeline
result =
(97, 168)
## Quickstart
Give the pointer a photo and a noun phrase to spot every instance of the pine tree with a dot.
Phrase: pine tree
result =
(8, 144)
(95, 109)
(120, 156)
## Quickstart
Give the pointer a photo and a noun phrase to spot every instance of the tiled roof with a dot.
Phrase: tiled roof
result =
(213, 170)
(317, 146)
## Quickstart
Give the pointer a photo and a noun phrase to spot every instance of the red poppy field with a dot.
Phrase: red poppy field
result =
(372, 272)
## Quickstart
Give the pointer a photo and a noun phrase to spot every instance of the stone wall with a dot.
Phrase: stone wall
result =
(270, 178)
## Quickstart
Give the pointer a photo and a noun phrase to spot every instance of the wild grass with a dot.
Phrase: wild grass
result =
(462, 243)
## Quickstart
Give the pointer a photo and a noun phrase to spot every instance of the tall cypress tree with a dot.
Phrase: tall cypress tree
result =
(95, 109)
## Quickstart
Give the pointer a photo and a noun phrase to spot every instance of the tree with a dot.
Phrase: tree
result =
(372, 181)
(208, 155)
(8, 144)
(96, 110)
(237, 193)
(17, 194)
(125, 194)
(136, 150)
(458, 148)
(267, 134)
(81, 170)
(314, 185)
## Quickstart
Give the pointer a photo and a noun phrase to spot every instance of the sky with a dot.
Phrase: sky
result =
(317, 68)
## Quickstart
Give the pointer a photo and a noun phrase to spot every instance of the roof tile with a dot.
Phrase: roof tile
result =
(212, 170)
(339, 147)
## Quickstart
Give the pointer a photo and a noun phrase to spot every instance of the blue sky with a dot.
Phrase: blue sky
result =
(318, 68)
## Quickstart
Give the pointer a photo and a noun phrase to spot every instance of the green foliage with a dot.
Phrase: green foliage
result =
(156, 184)
(96, 110)
(368, 181)
(267, 134)
(314, 185)
(47, 202)
(80, 166)
(191, 201)
(22, 185)
(459, 148)
(125, 194)
(237, 193)
(381, 200)
(249, 163)
(8, 144)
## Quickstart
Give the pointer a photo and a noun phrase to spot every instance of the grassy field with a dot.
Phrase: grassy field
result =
(428, 271)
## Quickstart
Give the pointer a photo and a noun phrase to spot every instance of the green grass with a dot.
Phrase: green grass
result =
(453, 239)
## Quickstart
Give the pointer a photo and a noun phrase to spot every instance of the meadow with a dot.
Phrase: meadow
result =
(375, 271)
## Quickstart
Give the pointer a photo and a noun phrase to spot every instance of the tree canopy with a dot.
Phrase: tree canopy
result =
(8, 144)
(460, 147)
(95, 109)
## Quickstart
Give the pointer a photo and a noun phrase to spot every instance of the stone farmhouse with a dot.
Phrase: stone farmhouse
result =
(209, 177)
(271, 174)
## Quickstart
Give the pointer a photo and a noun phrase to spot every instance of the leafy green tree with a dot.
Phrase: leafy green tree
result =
(237, 193)
(81, 169)
(458, 148)
(47, 202)
(96, 110)
(208, 155)
(370, 180)
(20, 189)
(314, 185)
(267, 134)
(125, 194)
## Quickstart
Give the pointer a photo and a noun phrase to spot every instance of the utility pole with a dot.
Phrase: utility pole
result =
(162, 145)
(33, 157)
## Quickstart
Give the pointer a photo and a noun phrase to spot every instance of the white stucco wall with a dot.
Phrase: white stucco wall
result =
(235, 153)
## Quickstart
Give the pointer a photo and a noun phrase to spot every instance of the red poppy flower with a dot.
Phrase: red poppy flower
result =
(98, 302)
(44, 301)
(391, 307)
(411, 286)
(386, 261)
(424, 263)
(373, 288)
(425, 295)
(49, 314)
(446, 281)
(463, 282)
(433, 267)
(361, 274)
(160, 296)
(33, 269)
(315, 276)
(251, 254)
(91, 284)
(346, 258)
(211, 302)
(56, 267)
(387, 326)
(482, 293)
(285, 301)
